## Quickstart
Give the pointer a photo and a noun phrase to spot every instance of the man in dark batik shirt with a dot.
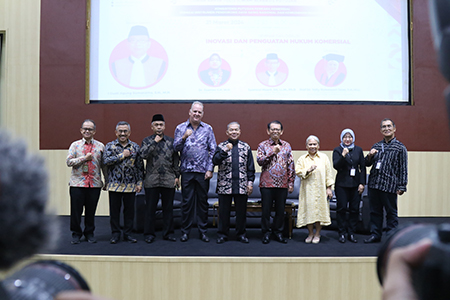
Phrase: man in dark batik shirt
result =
(234, 181)
(161, 178)
(125, 175)
(196, 143)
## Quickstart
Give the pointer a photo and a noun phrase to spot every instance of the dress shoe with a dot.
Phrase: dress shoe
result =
(279, 238)
(129, 239)
(316, 240)
(204, 238)
(243, 239)
(372, 239)
(352, 238)
(342, 238)
(75, 240)
(266, 239)
(114, 240)
(309, 239)
(170, 238)
(184, 238)
(149, 239)
(221, 240)
(91, 239)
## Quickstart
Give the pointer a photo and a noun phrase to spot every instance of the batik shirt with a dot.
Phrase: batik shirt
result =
(277, 170)
(236, 168)
(162, 162)
(197, 151)
(85, 173)
(124, 174)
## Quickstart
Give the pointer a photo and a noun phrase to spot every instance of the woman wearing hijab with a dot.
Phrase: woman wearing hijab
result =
(314, 168)
(348, 160)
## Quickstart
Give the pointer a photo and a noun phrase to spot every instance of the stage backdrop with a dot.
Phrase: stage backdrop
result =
(421, 127)
(249, 51)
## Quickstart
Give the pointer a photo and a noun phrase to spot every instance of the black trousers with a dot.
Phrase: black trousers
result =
(195, 198)
(240, 203)
(115, 204)
(152, 196)
(347, 196)
(87, 199)
(379, 200)
(273, 197)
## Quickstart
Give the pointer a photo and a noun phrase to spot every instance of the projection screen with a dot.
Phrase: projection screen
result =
(277, 51)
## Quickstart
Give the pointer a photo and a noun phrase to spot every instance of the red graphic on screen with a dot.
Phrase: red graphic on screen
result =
(330, 70)
(214, 71)
(272, 71)
(138, 62)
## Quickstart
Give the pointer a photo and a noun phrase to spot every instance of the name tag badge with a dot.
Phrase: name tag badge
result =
(352, 172)
(378, 166)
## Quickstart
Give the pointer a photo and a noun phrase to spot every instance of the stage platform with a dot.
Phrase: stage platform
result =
(200, 271)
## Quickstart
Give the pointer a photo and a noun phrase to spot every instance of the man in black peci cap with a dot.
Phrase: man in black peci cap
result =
(161, 178)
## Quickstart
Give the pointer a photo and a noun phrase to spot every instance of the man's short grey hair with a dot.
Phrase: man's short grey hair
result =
(233, 123)
(197, 103)
(123, 123)
(314, 138)
(88, 120)
(387, 119)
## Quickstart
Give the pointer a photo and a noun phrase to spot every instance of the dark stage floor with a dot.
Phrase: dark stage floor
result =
(329, 245)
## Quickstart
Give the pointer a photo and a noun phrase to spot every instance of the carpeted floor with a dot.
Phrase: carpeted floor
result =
(329, 245)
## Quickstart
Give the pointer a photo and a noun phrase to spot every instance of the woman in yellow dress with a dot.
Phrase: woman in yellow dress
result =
(314, 169)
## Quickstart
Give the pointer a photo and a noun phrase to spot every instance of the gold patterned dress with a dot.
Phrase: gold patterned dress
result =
(313, 205)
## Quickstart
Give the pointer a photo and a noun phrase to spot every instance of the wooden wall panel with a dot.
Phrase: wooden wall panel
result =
(224, 278)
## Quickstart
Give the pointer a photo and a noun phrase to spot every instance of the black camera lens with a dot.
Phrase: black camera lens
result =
(42, 280)
(431, 279)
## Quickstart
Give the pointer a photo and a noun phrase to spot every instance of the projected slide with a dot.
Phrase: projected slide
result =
(249, 51)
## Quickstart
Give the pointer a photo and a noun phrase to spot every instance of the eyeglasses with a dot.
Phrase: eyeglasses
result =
(87, 129)
(122, 131)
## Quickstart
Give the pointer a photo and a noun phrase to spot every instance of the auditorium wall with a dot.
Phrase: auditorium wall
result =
(42, 100)
(48, 114)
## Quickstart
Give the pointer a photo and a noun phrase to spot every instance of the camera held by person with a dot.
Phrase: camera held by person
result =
(26, 228)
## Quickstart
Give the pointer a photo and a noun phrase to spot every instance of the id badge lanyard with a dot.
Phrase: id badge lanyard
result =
(378, 166)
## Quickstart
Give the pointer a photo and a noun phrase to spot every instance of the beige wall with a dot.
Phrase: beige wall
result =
(426, 196)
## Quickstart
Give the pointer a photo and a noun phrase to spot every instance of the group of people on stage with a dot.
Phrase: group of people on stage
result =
(188, 161)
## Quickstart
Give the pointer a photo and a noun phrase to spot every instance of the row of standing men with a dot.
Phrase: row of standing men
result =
(193, 153)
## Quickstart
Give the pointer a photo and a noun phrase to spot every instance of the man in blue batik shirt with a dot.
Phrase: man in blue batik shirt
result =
(196, 143)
